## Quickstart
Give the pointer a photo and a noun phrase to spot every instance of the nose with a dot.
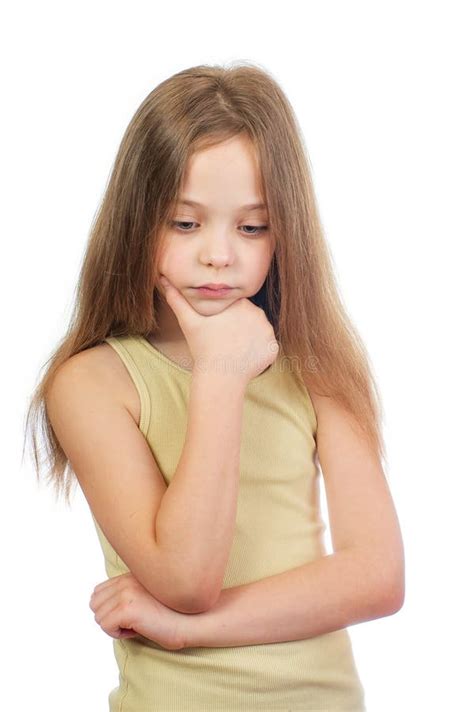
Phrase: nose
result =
(216, 249)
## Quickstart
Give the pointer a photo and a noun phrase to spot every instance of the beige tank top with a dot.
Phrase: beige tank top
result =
(278, 527)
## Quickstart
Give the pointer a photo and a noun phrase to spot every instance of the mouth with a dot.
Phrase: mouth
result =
(215, 285)
(207, 291)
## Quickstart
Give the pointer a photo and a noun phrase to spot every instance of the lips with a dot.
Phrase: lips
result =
(215, 286)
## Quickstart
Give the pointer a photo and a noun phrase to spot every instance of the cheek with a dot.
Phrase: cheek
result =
(264, 260)
(258, 268)
(168, 261)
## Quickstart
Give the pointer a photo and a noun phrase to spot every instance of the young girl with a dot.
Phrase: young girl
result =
(197, 420)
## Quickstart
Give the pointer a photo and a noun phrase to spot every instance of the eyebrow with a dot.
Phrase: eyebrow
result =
(249, 206)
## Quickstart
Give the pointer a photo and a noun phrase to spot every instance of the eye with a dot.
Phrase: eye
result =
(258, 228)
(175, 223)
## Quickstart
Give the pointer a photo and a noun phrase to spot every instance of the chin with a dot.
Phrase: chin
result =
(211, 306)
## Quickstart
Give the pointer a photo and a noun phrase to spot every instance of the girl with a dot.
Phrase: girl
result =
(197, 420)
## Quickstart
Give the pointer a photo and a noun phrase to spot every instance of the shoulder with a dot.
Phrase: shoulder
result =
(338, 431)
(327, 407)
(102, 365)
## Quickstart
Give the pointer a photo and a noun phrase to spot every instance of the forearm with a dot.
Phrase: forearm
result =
(196, 519)
(330, 593)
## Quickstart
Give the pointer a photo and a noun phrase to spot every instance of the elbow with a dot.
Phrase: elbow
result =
(183, 590)
(200, 605)
(187, 603)
(199, 599)
(206, 599)
(380, 600)
(396, 589)
(393, 595)
(383, 589)
(389, 581)
(396, 598)
(204, 594)
(196, 603)
(181, 598)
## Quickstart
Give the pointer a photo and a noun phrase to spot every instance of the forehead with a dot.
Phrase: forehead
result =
(255, 205)
(223, 176)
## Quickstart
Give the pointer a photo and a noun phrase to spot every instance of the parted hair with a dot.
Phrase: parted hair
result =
(116, 292)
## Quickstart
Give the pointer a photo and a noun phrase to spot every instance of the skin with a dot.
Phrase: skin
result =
(222, 246)
(364, 578)
(217, 243)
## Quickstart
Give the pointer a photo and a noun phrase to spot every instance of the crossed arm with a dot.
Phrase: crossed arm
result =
(362, 580)
(332, 592)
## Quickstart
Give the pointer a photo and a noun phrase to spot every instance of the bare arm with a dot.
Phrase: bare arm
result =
(196, 520)
(365, 577)
(179, 553)
(333, 592)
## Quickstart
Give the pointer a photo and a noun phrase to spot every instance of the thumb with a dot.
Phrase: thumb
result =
(177, 302)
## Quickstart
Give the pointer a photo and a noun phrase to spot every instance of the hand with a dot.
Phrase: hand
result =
(240, 338)
(124, 608)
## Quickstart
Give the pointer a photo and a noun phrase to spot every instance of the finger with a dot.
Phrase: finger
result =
(96, 600)
(104, 584)
(181, 307)
(104, 591)
(103, 608)
(101, 592)
(111, 618)
(127, 633)
(113, 581)
(115, 619)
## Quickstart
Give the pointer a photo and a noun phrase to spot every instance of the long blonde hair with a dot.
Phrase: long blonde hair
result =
(116, 294)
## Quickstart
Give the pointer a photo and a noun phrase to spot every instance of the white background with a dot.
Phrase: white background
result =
(384, 96)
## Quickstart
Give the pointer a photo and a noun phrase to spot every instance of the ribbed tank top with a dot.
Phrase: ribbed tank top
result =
(278, 527)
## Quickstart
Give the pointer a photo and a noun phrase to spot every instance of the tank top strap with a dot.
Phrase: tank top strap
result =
(302, 389)
(131, 354)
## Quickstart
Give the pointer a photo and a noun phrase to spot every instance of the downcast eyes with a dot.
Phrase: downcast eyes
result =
(258, 228)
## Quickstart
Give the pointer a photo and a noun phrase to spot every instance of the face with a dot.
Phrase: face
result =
(219, 241)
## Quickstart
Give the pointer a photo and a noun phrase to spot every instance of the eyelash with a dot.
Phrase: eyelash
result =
(259, 228)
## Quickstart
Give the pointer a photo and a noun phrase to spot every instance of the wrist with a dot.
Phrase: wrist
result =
(192, 630)
(204, 630)
(219, 379)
